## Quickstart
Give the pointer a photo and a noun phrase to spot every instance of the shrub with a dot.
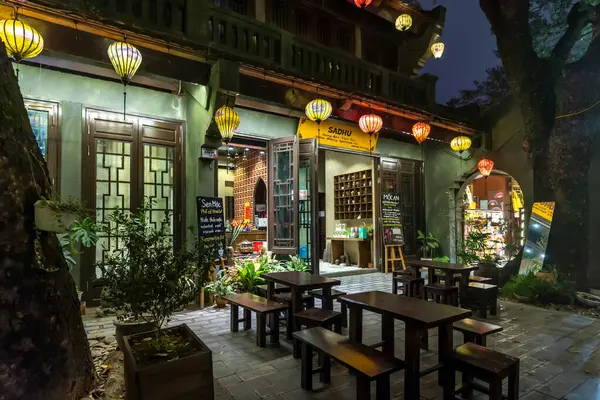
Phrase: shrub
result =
(540, 291)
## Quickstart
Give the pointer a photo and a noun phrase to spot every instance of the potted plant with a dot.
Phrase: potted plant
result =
(82, 233)
(57, 216)
(249, 275)
(478, 248)
(148, 280)
(429, 244)
(220, 288)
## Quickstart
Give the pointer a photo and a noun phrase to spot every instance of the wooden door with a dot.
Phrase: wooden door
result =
(308, 203)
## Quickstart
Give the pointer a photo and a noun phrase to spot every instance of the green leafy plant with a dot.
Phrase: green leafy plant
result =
(235, 233)
(295, 263)
(71, 205)
(221, 286)
(66, 246)
(249, 275)
(428, 242)
(146, 278)
(443, 259)
(476, 248)
(532, 289)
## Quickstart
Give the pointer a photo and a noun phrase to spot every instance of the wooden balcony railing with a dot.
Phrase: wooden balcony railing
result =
(235, 36)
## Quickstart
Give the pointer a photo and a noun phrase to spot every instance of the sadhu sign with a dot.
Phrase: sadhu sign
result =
(335, 134)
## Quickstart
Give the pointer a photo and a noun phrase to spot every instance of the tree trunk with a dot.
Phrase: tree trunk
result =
(44, 353)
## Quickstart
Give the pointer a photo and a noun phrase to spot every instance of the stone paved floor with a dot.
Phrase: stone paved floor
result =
(558, 351)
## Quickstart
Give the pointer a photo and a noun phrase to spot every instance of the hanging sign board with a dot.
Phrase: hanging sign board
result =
(335, 134)
(537, 237)
(392, 219)
(211, 226)
(208, 153)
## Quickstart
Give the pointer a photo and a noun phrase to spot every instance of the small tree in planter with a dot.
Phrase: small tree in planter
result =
(479, 248)
(147, 281)
(220, 288)
(429, 244)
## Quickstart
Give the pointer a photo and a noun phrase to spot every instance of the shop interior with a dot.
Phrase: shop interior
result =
(242, 184)
(346, 211)
(494, 206)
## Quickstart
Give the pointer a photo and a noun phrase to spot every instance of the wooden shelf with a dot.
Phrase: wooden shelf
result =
(353, 195)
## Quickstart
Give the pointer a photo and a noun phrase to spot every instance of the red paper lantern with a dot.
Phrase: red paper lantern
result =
(420, 131)
(370, 123)
(485, 166)
(362, 3)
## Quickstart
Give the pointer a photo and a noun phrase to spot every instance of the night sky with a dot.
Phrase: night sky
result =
(469, 49)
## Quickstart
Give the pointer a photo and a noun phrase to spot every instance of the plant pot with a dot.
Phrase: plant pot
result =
(220, 302)
(546, 276)
(185, 378)
(130, 328)
(489, 271)
(588, 299)
(49, 220)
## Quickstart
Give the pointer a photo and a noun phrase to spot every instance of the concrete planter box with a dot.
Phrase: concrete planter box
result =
(186, 378)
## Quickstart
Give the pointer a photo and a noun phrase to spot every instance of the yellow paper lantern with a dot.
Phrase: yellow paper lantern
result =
(437, 49)
(126, 59)
(20, 39)
(461, 143)
(227, 120)
(403, 22)
(318, 110)
(420, 131)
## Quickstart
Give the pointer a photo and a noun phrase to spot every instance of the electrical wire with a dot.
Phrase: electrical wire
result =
(578, 112)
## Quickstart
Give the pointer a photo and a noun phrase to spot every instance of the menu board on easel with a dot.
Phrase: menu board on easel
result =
(391, 219)
(211, 225)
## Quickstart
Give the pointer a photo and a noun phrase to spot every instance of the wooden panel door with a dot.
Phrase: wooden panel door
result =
(127, 162)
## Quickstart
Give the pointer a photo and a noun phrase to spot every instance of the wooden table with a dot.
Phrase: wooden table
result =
(449, 270)
(298, 283)
(364, 250)
(417, 315)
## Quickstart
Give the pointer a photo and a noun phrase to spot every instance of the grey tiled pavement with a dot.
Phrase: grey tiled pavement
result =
(558, 351)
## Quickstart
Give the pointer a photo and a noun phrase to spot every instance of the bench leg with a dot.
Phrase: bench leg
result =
(235, 317)
(449, 383)
(288, 317)
(513, 384)
(325, 363)
(467, 386)
(261, 328)
(483, 308)
(383, 388)
(394, 286)
(494, 305)
(481, 340)
(363, 388)
(496, 389)
(275, 328)
(310, 303)
(344, 310)
(469, 337)
(247, 320)
(306, 366)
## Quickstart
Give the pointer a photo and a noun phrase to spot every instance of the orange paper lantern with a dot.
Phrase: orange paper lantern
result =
(370, 123)
(485, 166)
(420, 131)
(362, 3)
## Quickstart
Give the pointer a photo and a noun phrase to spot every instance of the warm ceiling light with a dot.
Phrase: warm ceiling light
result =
(370, 123)
(362, 3)
(461, 143)
(485, 166)
(227, 120)
(420, 131)
(20, 39)
(318, 110)
(437, 49)
(403, 22)
(126, 59)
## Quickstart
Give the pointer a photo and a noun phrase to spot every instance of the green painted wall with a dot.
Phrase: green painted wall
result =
(394, 148)
(263, 125)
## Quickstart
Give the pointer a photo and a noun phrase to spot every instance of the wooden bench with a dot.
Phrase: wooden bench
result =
(441, 294)
(262, 307)
(484, 296)
(261, 290)
(366, 363)
(411, 285)
(480, 279)
(478, 362)
(318, 294)
(307, 301)
(476, 331)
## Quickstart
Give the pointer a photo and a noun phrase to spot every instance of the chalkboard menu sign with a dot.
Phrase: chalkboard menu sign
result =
(211, 226)
(392, 219)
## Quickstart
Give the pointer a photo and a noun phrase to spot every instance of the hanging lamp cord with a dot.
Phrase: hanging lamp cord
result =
(124, 101)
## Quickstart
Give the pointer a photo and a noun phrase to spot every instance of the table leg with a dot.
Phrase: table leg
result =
(445, 347)
(463, 288)
(355, 329)
(270, 294)
(413, 362)
(431, 278)
(327, 301)
(387, 334)
(449, 279)
(415, 271)
(296, 307)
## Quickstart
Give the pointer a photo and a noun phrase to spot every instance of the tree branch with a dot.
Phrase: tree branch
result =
(580, 15)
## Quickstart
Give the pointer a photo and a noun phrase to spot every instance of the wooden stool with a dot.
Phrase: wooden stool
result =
(261, 290)
(411, 286)
(487, 365)
(484, 296)
(314, 317)
(480, 279)
(318, 294)
(476, 331)
(307, 301)
(441, 294)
